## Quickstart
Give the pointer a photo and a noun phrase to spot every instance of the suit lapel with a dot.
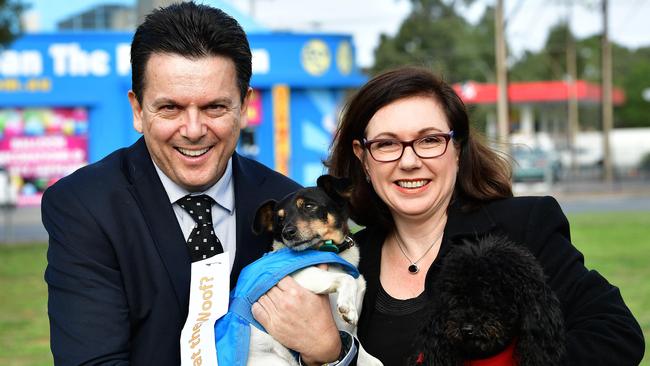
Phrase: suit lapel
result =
(150, 194)
(249, 193)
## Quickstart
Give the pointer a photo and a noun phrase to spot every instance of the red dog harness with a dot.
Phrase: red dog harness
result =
(503, 358)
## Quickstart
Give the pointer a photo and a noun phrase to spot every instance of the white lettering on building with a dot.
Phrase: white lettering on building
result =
(123, 58)
(261, 61)
(21, 63)
(70, 60)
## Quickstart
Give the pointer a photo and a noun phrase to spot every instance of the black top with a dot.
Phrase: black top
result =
(393, 316)
(601, 330)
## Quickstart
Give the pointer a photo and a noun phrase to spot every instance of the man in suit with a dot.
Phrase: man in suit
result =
(119, 263)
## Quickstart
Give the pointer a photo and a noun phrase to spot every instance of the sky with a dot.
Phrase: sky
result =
(528, 21)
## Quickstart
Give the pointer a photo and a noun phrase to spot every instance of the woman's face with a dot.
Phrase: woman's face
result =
(412, 187)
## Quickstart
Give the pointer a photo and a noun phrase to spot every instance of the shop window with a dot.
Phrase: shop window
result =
(40, 145)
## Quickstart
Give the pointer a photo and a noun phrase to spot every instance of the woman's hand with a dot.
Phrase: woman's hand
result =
(299, 320)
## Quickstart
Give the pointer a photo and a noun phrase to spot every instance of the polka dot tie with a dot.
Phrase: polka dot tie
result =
(202, 242)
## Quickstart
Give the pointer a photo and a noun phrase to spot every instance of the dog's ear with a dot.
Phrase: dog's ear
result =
(541, 339)
(542, 334)
(263, 221)
(433, 342)
(339, 189)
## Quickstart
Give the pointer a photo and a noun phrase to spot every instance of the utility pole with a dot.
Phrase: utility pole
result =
(572, 77)
(502, 77)
(608, 115)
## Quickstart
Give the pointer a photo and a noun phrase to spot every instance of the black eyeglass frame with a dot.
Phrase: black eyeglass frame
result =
(446, 135)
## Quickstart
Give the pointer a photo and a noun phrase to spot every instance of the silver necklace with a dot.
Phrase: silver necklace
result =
(413, 267)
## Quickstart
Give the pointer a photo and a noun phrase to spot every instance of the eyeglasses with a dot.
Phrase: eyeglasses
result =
(426, 147)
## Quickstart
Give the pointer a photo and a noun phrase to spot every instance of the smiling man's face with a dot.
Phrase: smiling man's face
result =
(191, 115)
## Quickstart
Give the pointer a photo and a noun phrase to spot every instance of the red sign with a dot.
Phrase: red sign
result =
(534, 92)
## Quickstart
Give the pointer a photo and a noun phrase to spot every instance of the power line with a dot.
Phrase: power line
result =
(513, 13)
(627, 19)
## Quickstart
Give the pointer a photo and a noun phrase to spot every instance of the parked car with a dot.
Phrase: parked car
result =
(535, 165)
(584, 157)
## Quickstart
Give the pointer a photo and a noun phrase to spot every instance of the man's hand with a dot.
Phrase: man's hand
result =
(300, 320)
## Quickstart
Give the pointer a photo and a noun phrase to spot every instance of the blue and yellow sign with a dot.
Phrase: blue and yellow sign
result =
(315, 57)
(91, 72)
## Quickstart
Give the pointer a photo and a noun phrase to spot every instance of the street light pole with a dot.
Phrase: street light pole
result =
(501, 73)
(608, 114)
(572, 77)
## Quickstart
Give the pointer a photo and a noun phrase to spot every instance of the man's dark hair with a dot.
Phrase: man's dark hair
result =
(193, 31)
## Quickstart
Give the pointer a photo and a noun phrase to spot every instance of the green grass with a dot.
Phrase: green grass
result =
(615, 244)
(24, 328)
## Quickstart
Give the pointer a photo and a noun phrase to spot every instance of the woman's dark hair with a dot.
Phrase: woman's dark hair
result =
(483, 174)
(193, 31)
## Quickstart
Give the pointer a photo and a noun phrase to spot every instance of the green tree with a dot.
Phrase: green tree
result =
(630, 70)
(10, 11)
(435, 36)
(632, 74)
(483, 39)
(547, 64)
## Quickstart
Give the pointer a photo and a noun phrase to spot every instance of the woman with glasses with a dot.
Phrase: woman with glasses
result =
(423, 181)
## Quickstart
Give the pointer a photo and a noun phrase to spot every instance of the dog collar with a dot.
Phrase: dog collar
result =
(329, 246)
(503, 358)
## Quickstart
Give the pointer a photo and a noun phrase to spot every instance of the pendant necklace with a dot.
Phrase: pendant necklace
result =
(413, 267)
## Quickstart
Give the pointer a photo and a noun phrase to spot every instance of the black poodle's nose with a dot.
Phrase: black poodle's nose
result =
(467, 329)
(289, 232)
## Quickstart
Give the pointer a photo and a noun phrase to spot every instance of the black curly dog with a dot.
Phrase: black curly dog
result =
(489, 296)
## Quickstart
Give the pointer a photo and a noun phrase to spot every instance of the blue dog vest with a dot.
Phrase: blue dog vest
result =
(232, 331)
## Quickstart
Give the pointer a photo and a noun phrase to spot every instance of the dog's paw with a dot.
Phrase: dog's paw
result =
(348, 313)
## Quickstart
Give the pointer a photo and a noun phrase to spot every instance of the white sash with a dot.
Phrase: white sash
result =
(208, 302)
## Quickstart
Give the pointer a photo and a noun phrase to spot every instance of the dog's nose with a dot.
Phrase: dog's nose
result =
(289, 232)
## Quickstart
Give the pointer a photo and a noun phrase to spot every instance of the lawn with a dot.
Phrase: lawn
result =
(24, 329)
(616, 244)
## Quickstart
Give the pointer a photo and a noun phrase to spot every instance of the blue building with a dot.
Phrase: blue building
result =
(63, 102)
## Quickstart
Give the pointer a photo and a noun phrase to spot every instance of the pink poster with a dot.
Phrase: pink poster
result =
(40, 145)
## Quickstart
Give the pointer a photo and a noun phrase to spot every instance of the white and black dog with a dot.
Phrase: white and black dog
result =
(311, 218)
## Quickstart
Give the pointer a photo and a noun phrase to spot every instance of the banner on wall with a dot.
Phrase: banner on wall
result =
(281, 128)
(40, 145)
(254, 112)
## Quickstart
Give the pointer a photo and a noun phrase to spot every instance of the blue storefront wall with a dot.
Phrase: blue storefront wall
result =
(92, 71)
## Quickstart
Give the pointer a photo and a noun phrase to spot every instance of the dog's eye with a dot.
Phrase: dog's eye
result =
(310, 207)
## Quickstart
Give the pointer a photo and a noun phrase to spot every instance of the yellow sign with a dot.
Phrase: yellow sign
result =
(315, 57)
(29, 85)
(344, 58)
(282, 127)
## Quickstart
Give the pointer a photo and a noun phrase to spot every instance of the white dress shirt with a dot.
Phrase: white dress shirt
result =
(223, 208)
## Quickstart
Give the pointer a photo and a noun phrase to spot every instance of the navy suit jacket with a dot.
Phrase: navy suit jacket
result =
(118, 269)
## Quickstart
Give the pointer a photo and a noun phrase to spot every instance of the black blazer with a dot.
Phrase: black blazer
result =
(601, 330)
(118, 269)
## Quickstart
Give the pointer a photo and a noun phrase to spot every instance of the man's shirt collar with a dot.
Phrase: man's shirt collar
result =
(222, 192)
